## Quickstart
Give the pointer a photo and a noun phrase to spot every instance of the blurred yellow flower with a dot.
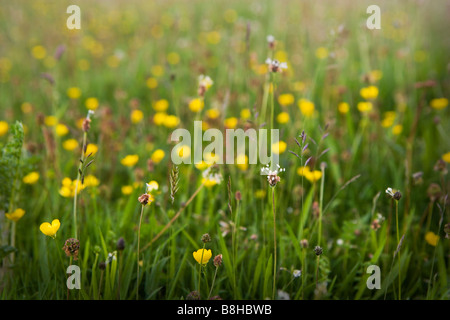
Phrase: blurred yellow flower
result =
(50, 121)
(159, 118)
(157, 70)
(375, 75)
(91, 103)
(212, 113)
(311, 176)
(389, 118)
(91, 181)
(321, 53)
(183, 151)
(130, 160)
(136, 116)
(242, 162)
(245, 114)
(446, 157)
(161, 105)
(299, 86)
(70, 144)
(202, 256)
(196, 105)
(431, 238)
(3, 128)
(152, 83)
(285, 99)
(230, 15)
(279, 147)
(364, 106)
(157, 155)
(283, 117)
(83, 65)
(127, 190)
(306, 107)
(369, 93)
(61, 129)
(67, 189)
(39, 52)
(171, 121)
(31, 178)
(260, 193)
(173, 58)
(213, 37)
(343, 107)
(91, 148)
(397, 129)
(26, 107)
(231, 122)
(16, 215)
(73, 92)
(50, 229)
(439, 103)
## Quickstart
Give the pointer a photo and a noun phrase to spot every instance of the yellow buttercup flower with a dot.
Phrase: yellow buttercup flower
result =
(369, 93)
(151, 83)
(73, 92)
(130, 160)
(16, 215)
(196, 105)
(231, 123)
(242, 162)
(397, 129)
(91, 181)
(31, 178)
(171, 121)
(91, 148)
(283, 117)
(306, 107)
(70, 144)
(311, 176)
(285, 99)
(279, 147)
(50, 229)
(439, 103)
(3, 128)
(39, 52)
(431, 238)
(50, 121)
(136, 116)
(245, 114)
(127, 190)
(364, 106)
(446, 157)
(159, 118)
(157, 70)
(157, 156)
(343, 107)
(202, 256)
(161, 105)
(92, 103)
(212, 113)
(61, 129)
(67, 189)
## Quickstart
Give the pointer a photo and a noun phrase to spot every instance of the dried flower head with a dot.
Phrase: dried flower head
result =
(318, 250)
(120, 244)
(395, 194)
(272, 175)
(194, 295)
(206, 238)
(145, 199)
(71, 248)
(217, 260)
(304, 243)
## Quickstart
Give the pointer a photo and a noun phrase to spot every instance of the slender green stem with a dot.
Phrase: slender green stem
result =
(76, 187)
(399, 257)
(274, 244)
(200, 269)
(322, 183)
(137, 253)
(212, 285)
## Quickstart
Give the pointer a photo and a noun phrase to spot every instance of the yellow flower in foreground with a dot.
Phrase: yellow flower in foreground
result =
(212, 113)
(74, 92)
(196, 105)
(368, 93)
(231, 123)
(91, 181)
(279, 147)
(3, 128)
(50, 229)
(171, 121)
(306, 107)
(159, 118)
(446, 157)
(439, 103)
(130, 160)
(31, 178)
(431, 238)
(202, 256)
(70, 144)
(343, 107)
(91, 148)
(285, 99)
(16, 215)
(245, 113)
(67, 189)
(136, 116)
(157, 156)
(61, 129)
(92, 103)
(364, 106)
